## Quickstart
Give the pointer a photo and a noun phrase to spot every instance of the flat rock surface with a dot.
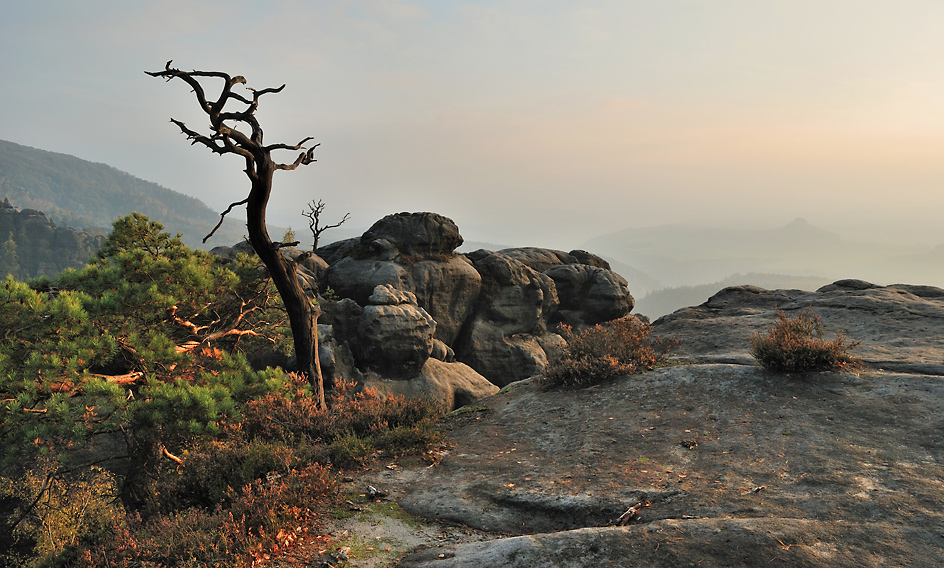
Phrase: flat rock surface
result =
(722, 464)
(901, 327)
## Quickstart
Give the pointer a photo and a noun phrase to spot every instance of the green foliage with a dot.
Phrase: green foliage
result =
(604, 352)
(289, 237)
(9, 260)
(136, 363)
(797, 345)
(258, 517)
(69, 507)
(213, 467)
(146, 341)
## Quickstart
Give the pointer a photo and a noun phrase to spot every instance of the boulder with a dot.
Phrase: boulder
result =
(337, 250)
(395, 339)
(506, 338)
(384, 295)
(538, 259)
(590, 295)
(514, 296)
(229, 253)
(309, 263)
(311, 270)
(445, 285)
(337, 360)
(442, 352)
(451, 385)
(504, 358)
(416, 233)
(356, 279)
(588, 258)
(541, 259)
(447, 289)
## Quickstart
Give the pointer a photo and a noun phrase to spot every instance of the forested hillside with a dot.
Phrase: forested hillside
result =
(83, 194)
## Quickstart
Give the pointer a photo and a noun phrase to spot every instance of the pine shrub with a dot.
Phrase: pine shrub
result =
(797, 345)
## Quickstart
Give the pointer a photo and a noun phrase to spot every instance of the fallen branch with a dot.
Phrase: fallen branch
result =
(171, 456)
(121, 380)
(69, 386)
(631, 513)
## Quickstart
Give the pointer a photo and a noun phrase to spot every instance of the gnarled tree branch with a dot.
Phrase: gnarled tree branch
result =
(227, 138)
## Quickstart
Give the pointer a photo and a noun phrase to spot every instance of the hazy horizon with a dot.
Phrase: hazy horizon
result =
(528, 123)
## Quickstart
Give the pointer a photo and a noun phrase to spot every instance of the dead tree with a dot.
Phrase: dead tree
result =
(238, 132)
(314, 218)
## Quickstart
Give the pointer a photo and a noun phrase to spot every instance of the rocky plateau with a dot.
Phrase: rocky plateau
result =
(707, 461)
(710, 461)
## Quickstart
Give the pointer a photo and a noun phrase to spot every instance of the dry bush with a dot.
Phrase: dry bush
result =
(355, 425)
(604, 352)
(797, 345)
(259, 520)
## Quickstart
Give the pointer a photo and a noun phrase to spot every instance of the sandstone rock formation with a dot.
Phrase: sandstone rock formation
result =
(526, 293)
(42, 248)
(896, 324)
(402, 295)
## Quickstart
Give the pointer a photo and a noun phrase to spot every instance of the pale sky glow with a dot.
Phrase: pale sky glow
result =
(528, 122)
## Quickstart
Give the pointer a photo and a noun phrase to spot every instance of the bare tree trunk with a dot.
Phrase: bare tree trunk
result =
(302, 314)
(228, 139)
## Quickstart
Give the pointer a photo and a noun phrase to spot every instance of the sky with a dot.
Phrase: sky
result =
(527, 122)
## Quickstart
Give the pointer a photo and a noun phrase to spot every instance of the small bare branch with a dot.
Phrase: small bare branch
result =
(171, 456)
(303, 159)
(314, 218)
(223, 216)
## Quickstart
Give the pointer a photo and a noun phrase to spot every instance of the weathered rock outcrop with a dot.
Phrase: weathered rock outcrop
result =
(406, 296)
(42, 248)
(526, 293)
(445, 288)
(394, 335)
(898, 325)
(388, 345)
(452, 385)
(589, 295)
(311, 270)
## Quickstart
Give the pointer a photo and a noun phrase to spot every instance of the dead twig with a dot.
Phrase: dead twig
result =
(631, 513)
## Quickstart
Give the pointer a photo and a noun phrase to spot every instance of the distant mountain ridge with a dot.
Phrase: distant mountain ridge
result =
(84, 194)
(679, 255)
(665, 301)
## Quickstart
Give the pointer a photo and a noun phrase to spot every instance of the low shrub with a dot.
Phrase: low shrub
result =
(604, 352)
(53, 510)
(260, 518)
(797, 345)
(355, 426)
(212, 469)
